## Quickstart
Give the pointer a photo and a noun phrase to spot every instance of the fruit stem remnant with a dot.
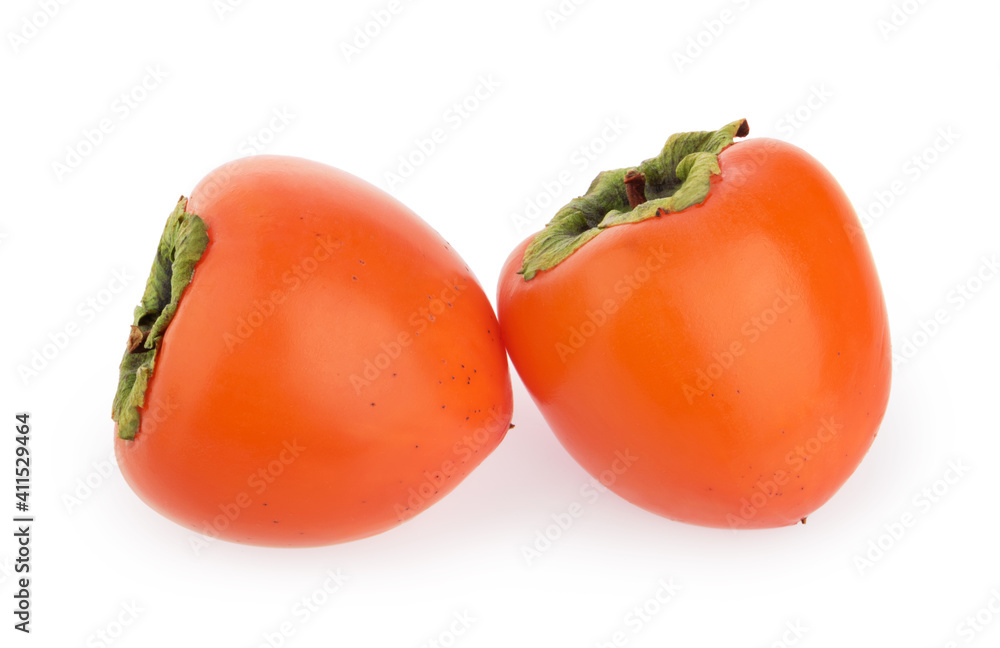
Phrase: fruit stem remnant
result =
(635, 188)
(136, 338)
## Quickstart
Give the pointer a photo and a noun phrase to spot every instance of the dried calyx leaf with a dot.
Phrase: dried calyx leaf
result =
(676, 179)
(182, 245)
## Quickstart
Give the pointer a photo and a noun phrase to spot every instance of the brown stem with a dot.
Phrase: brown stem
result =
(635, 188)
(136, 340)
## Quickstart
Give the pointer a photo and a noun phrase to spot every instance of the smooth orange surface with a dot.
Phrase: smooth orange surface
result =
(332, 370)
(728, 365)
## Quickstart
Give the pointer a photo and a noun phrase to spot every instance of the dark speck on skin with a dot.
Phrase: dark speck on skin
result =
(361, 262)
(354, 278)
(373, 404)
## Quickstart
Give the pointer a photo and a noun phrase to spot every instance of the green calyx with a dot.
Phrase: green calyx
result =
(676, 179)
(184, 240)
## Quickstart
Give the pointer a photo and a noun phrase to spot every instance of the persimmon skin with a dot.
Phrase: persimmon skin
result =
(769, 290)
(256, 427)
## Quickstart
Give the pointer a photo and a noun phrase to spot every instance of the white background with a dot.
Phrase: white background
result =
(868, 99)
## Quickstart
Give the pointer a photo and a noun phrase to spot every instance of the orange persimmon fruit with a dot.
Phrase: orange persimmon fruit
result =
(706, 333)
(311, 363)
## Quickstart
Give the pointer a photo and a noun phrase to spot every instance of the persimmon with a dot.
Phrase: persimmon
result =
(716, 314)
(311, 363)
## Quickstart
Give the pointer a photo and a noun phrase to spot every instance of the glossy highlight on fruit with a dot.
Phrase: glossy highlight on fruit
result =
(311, 362)
(716, 314)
